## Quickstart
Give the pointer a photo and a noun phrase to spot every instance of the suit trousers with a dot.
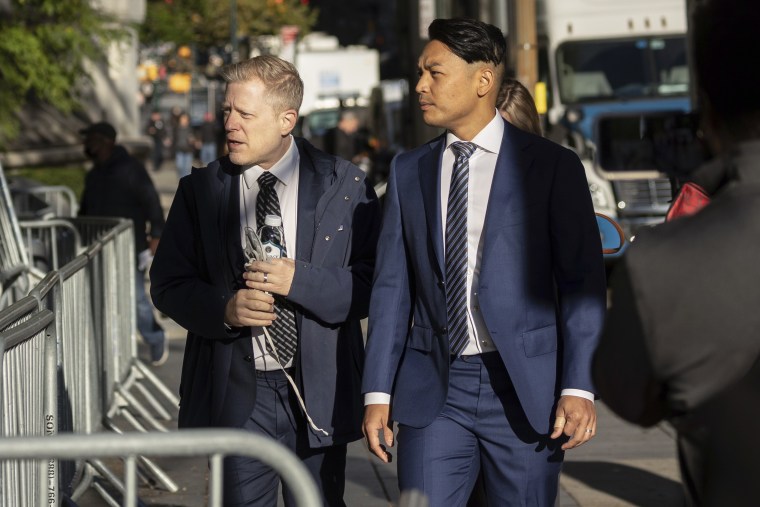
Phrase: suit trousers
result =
(481, 426)
(248, 482)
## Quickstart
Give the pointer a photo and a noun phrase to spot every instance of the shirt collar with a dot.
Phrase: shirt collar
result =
(284, 169)
(488, 139)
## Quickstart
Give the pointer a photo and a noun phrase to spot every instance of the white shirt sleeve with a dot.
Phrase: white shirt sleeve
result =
(574, 392)
(377, 399)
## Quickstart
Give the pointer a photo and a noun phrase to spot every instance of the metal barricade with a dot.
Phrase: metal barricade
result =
(216, 444)
(50, 243)
(94, 353)
(90, 296)
(28, 404)
(14, 272)
(61, 199)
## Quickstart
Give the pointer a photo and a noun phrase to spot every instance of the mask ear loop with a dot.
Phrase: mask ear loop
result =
(255, 251)
(293, 384)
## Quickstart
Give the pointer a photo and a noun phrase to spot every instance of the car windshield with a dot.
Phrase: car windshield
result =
(631, 68)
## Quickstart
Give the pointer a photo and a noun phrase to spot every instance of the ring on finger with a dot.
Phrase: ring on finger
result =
(266, 277)
(589, 430)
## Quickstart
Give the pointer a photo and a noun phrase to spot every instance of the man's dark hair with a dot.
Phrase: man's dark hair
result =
(726, 53)
(470, 40)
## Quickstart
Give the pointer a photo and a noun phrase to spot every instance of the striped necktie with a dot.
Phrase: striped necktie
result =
(456, 249)
(283, 329)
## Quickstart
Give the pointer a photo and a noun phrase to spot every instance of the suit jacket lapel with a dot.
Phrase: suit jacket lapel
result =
(229, 221)
(508, 192)
(310, 188)
(429, 171)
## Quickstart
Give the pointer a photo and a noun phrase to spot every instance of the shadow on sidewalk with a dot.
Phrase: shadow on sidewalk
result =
(630, 484)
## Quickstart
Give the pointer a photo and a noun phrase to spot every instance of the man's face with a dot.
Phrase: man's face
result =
(447, 87)
(94, 144)
(256, 133)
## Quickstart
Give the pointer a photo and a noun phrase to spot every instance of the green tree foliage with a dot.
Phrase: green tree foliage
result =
(43, 47)
(207, 22)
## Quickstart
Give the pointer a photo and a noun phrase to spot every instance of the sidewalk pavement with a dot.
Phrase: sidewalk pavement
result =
(623, 466)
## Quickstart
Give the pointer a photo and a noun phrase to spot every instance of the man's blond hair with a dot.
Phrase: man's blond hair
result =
(284, 85)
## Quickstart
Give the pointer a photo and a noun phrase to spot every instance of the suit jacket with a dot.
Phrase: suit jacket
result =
(199, 265)
(541, 290)
(682, 336)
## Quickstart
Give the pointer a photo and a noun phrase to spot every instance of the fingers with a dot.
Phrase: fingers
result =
(274, 276)
(580, 432)
(250, 307)
(376, 419)
(576, 418)
(559, 426)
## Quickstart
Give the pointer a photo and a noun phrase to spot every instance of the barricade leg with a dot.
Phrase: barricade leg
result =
(149, 468)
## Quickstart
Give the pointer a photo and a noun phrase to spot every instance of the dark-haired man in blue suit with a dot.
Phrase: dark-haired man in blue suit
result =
(489, 292)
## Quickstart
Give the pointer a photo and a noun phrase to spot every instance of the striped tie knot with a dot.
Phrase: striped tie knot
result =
(267, 180)
(463, 149)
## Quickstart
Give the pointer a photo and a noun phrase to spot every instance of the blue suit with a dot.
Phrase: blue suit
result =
(199, 265)
(541, 290)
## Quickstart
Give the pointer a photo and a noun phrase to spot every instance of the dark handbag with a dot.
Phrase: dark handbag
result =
(690, 199)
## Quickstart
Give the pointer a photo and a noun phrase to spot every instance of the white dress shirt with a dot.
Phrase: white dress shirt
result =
(286, 170)
(482, 168)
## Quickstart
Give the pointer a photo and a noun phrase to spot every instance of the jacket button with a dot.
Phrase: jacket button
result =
(441, 285)
(327, 238)
(248, 359)
(356, 178)
(444, 330)
(346, 198)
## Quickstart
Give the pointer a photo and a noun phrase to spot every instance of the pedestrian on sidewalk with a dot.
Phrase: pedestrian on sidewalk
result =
(157, 131)
(209, 137)
(274, 346)
(489, 293)
(119, 186)
(184, 145)
(682, 339)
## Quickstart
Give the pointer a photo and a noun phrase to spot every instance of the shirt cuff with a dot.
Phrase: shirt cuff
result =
(377, 399)
(579, 393)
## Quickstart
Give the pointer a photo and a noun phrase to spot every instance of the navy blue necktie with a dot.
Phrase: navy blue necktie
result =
(283, 329)
(456, 248)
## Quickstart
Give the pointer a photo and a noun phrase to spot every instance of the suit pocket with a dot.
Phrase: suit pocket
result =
(540, 341)
(420, 338)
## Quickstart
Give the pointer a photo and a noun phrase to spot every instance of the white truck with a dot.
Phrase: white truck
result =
(331, 73)
(610, 58)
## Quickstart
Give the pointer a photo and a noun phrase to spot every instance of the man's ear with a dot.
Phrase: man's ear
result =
(288, 119)
(486, 80)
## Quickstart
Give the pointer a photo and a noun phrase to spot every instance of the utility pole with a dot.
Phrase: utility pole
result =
(233, 31)
(693, 85)
(523, 42)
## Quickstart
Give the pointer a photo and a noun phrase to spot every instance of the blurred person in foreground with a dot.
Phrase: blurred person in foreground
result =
(516, 105)
(119, 186)
(489, 293)
(310, 300)
(682, 341)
